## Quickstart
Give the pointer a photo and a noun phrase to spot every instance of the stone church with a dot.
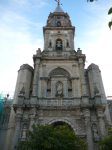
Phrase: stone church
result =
(57, 90)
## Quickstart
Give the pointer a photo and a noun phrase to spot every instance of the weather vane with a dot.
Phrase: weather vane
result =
(58, 2)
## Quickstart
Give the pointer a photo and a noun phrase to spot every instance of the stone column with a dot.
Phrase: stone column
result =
(65, 88)
(18, 118)
(88, 129)
(83, 82)
(75, 87)
(43, 88)
(101, 125)
(82, 77)
(89, 133)
(36, 78)
(100, 114)
(53, 88)
(32, 116)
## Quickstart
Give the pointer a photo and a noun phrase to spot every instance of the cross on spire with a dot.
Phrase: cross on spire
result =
(58, 2)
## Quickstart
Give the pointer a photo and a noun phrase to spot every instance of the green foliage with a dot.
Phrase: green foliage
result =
(106, 143)
(49, 137)
(110, 24)
(110, 11)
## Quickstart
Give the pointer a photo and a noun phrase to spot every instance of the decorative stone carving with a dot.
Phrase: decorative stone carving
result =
(70, 93)
(38, 51)
(96, 90)
(78, 126)
(79, 52)
(59, 71)
(52, 103)
(95, 132)
(22, 92)
(24, 130)
(67, 103)
(21, 99)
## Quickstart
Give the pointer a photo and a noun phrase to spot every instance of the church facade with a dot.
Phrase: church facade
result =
(58, 89)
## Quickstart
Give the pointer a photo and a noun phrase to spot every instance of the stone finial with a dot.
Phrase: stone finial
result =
(38, 52)
(22, 91)
(96, 90)
(79, 51)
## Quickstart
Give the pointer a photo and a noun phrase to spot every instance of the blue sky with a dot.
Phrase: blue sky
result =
(21, 35)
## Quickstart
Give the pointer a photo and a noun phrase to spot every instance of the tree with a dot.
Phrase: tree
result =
(106, 143)
(49, 137)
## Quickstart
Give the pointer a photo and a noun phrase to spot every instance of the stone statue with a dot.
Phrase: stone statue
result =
(24, 131)
(59, 88)
(95, 134)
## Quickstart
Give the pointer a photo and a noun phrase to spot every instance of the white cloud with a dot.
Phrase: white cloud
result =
(100, 53)
(17, 46)
(30, 4)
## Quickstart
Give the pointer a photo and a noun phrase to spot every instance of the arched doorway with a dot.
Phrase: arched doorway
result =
(56, 122)
(58, 24)
(62, 123)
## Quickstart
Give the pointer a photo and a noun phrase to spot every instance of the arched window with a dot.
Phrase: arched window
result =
(58, 24)
(67, 44)
(58, 44)
(5, 116)
(50, 44)
(70, 89)
(48, 88)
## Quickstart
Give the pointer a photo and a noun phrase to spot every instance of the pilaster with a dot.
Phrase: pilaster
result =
(65, 88)
(36, 78)
(100, 114)
(82, 77)
(32, 117)
(53, 88)
(18, 118)
(88, 129)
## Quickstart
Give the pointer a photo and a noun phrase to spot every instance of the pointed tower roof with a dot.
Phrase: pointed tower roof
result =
(58, 9)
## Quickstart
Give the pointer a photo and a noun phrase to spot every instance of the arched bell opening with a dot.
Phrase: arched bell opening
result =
(59, 44)
(61, 123)
(58, 24)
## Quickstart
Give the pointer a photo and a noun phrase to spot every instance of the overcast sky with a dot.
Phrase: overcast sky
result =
(21, 34)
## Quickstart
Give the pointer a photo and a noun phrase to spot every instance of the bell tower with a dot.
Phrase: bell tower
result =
(58, 89)
(58, 32)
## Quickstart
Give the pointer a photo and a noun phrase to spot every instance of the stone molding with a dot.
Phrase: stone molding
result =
(71, 57)
(44, 78)
(59, 71)
(62, 120)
